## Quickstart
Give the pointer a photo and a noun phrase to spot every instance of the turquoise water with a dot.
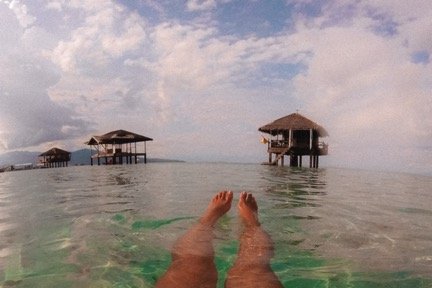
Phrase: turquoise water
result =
(113, 226)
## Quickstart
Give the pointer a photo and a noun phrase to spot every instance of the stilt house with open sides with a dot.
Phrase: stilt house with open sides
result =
(118, 147)
(294, 136)
(54, 157)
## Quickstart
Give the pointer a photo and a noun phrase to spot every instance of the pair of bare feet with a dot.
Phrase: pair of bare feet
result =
(221, 204)
(193, 254)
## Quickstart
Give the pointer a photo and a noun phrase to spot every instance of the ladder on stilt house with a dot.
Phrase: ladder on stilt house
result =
(275, 161)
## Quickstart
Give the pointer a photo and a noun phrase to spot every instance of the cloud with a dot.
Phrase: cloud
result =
(28, 116)
(55, 5)
(95, 78)
(198, 58)
(21, 13)
(107, 34)
(366, 87)
(200, 5)
(176, 62)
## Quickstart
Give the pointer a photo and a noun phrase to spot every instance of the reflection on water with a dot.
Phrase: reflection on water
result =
(113, 226)
(294, 188)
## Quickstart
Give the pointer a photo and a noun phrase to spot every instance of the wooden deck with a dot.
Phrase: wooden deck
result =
(278, 148)
(118, 157)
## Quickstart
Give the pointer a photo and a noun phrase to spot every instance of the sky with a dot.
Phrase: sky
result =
(201, 76)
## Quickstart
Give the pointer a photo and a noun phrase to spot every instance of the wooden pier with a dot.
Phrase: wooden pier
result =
(118, 147)
(53, 158)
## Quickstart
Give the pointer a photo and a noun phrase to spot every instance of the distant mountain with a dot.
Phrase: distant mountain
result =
(79, 157)
(18, 157)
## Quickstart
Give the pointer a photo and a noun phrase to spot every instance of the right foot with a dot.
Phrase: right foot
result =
(248, 209)
(219, 205)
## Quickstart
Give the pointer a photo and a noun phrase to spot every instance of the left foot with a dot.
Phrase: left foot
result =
(219, 205)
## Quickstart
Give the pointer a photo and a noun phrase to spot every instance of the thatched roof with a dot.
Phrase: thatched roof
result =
(293, 121)
(55, 152)
(118, 137)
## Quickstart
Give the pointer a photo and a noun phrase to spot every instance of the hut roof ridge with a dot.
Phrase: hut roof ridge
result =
(118, 136)
(294, 121)
(54, 151)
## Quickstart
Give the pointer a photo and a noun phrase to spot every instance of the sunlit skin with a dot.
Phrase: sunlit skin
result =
(193, 254)
(252, 266)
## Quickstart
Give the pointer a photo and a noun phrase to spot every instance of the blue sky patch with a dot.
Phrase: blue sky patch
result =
(420, 57)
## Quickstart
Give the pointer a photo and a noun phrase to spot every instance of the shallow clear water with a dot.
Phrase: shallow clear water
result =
(113, 226)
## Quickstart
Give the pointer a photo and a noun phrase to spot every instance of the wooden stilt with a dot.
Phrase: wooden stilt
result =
(315, 161)
(293, 160)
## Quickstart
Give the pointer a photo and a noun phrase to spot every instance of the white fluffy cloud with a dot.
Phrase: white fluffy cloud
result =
(28, 116)
(105, 34)
(369, 91)
(21, 12)
(197, 5)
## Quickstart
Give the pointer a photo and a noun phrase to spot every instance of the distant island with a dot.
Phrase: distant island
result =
(78, 158)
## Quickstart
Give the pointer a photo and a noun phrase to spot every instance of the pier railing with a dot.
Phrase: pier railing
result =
(278, 146)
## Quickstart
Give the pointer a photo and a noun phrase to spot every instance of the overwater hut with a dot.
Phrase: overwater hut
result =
(118, 147)
(54, 157)
(294, 136)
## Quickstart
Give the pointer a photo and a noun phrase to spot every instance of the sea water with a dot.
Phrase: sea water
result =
(114, 226)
